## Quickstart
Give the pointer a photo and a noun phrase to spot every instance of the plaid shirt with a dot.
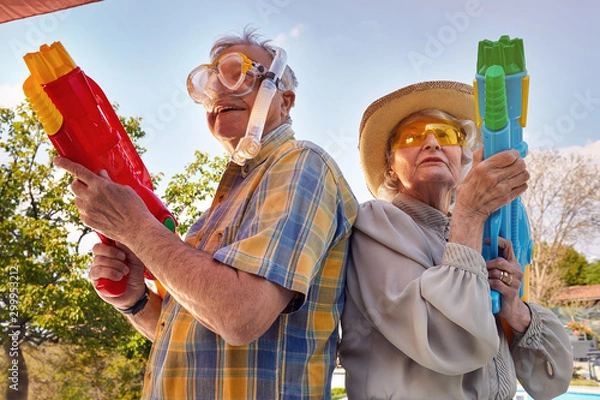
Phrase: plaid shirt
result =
(286, 216)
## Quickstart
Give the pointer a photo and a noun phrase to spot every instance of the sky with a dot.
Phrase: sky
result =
(346, 54)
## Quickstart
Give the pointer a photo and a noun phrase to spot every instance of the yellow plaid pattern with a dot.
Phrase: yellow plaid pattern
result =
(286, 216)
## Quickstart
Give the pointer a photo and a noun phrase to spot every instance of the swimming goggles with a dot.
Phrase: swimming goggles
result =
(233, 74)
(413, 134)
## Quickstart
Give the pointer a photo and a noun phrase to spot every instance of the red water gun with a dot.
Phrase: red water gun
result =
(83, 126)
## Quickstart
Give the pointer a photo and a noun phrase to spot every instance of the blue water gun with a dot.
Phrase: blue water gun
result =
(501, 88)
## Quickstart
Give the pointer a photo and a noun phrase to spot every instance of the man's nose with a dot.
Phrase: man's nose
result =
(214, 87)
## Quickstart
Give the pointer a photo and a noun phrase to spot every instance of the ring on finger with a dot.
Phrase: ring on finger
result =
(506, 278)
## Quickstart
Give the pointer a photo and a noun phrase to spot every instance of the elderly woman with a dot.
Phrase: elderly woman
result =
(417, 322)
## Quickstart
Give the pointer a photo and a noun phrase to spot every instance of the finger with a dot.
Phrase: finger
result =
(78, 187)
(495, 273)
(102, 249)
(517, 174)
(502, 288)
(507, 249)
(478, 155)
(104, 174)
(77, 170)
(108, 268)
(504, 158)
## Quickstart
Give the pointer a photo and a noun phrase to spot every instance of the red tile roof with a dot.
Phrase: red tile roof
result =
(589, 292)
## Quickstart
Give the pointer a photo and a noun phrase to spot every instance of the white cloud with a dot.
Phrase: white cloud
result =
(282, 38)
(11, 95)
(591, 149)
(297, 30)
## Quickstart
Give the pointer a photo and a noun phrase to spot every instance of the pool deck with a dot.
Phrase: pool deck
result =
(339, 375)
(576, 389)
(584, 389)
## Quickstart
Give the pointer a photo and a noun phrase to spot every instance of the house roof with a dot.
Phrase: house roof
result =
(573, 293)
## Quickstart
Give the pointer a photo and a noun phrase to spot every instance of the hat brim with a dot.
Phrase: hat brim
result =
(384, 114)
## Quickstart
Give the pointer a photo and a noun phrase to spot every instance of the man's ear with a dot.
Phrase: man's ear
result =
(288, 98)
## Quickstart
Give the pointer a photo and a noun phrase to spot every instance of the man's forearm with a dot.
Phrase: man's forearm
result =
(146, 320)
(234, 304)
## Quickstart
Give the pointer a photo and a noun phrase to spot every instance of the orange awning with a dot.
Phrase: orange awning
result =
(11, 10)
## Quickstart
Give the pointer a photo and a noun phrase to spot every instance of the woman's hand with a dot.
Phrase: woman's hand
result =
(505, 276)
(491, 184)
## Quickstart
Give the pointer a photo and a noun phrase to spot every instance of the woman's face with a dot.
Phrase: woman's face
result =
(428, 170)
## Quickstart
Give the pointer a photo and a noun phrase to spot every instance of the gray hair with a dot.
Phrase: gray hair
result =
(251, 38)
(389, 188)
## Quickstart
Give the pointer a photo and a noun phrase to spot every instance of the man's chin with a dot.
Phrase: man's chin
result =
(228, 140)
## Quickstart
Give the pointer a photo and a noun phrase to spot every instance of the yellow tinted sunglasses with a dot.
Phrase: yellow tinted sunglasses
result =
(413, 134)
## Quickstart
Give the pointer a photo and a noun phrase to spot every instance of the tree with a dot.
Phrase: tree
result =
(572, 267)
(45, 297)
(592, 273)
(563, 202)
(188, 191)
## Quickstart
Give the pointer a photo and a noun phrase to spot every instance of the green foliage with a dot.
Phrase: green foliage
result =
(40, 233)
(71, 372)
(186, 192)
(573, 265)
(579, 381)
(99, 355)
(575, 268)
(592, 273)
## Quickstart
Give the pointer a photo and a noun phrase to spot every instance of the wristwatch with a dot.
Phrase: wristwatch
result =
(138, 306)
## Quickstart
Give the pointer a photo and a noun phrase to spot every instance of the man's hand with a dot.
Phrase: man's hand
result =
(105, 206)
(113, 263)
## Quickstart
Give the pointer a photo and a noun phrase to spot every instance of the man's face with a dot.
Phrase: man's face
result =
(229, 117)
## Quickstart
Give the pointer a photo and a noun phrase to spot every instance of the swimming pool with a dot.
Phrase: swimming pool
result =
(570, 395)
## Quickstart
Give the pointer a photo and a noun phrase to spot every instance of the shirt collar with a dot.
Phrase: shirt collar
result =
(423, 214)
(271, 141)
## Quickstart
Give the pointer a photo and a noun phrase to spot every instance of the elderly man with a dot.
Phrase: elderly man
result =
(255, 292)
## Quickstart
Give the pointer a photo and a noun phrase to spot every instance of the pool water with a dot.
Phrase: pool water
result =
(521, 395)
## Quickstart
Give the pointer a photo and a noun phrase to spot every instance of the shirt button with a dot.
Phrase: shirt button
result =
(549, 369)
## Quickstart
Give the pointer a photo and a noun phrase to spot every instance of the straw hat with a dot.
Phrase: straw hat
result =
(384, 114)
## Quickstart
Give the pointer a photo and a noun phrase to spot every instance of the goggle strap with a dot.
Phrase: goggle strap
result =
(278, 82)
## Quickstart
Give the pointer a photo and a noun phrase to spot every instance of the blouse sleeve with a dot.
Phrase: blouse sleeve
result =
(542, 355)
(439, 316)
